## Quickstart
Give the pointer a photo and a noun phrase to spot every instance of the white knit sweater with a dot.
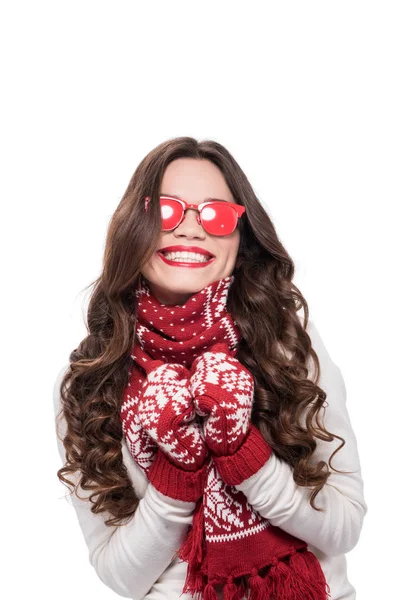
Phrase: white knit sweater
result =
(136, 560)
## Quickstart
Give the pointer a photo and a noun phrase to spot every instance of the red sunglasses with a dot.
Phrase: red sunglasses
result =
(216, 216)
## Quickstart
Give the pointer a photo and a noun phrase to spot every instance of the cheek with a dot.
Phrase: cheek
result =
(228, 248)
(234, 245)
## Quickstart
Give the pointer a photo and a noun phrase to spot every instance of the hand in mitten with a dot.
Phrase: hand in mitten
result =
(223, 392)
(167, 413)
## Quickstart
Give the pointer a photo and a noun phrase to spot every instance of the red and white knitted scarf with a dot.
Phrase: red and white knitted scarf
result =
(228, 543)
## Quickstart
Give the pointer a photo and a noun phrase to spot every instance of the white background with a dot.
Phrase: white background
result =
(305, 95)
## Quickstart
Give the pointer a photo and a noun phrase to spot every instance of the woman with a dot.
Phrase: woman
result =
(200, 414)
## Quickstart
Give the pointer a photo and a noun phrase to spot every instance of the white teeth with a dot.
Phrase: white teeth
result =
(186, 256)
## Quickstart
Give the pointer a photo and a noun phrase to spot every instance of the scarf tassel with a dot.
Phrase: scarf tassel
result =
(192, 551)
(231, 591)
(210, 593)
(301, 579)
(257, 586)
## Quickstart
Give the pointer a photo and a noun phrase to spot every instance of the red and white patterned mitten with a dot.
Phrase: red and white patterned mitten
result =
(223, 392)
(167, 413)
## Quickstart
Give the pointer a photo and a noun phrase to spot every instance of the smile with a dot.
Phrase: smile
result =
(185, 259)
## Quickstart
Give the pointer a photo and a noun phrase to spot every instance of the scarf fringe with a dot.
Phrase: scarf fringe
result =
(231, 591)
(257, 586)
(192, 551)
(210, 593)
(301, 579)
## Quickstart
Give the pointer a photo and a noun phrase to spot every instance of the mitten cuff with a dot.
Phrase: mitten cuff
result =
(247, 460)
(174, 482)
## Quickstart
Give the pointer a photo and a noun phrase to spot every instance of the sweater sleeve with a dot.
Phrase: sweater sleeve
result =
(130, 558)
(273, 492)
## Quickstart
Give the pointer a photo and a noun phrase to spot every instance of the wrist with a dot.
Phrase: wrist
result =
(246, 461)
(175, 482)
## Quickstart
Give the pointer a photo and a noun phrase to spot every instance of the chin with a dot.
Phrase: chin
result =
(184, 285)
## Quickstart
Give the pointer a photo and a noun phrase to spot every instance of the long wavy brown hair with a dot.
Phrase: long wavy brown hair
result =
(262, 299)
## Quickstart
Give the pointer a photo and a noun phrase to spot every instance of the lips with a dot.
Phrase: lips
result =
(196, 249)
(182, 263)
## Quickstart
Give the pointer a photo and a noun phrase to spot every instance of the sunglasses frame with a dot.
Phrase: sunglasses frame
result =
(239, 209)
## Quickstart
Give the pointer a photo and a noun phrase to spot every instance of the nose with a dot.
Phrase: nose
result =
(190, 225)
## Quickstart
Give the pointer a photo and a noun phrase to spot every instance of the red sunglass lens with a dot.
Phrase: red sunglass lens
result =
(217, 219)
(171, 213)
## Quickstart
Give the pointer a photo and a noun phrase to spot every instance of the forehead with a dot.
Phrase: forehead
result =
(194, 180)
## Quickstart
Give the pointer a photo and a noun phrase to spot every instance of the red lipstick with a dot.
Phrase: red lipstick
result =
(179, 263)
(185, 249)
(182, 263)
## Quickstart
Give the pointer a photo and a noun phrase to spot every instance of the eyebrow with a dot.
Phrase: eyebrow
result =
(205, 199)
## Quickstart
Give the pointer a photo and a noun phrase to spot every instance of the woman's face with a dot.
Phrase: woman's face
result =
(193, 180)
